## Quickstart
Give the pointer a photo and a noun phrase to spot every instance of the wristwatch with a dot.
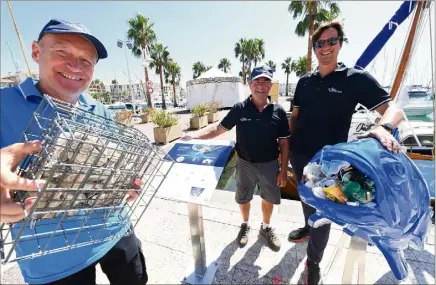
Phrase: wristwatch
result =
(388, 127)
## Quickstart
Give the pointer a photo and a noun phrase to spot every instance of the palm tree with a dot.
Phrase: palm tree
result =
(312, 13)
(142, 35)
(255, 52)
(224, 65)
(172, 76)
(271, 65)
(160, 57)
(259, 51)
(299, 66)
(241, 53)
(198, 68)
(287, 67)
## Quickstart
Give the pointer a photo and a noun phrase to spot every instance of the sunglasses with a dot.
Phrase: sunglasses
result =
(321, 43)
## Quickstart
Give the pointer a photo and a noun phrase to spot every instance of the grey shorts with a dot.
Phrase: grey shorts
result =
(263, 174)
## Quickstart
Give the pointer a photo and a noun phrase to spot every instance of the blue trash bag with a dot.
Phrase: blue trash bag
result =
(398, 217)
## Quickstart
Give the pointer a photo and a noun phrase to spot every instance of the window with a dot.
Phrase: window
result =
(425, 140)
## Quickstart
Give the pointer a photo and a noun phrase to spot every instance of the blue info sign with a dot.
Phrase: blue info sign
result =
(198, 165)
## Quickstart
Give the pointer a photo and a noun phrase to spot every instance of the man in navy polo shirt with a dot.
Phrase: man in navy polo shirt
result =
(260, 123)
(323, 106)
(67, 55)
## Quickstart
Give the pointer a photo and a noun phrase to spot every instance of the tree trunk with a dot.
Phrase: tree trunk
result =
(312, 13)
(175, 98)
(243, 71)
(287, 81)
(164, 105)
(148, 95)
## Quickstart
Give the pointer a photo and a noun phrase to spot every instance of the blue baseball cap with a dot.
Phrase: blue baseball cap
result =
(63, 27)
(261, 71)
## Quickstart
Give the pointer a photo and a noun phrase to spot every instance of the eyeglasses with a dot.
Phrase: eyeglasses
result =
(321, 43)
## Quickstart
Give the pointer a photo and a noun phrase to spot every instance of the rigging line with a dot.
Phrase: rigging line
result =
(415, 43)
(397, 61)
(431, 50)
(386, 66)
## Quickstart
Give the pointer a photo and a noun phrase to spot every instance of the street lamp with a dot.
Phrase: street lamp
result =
(129, 46)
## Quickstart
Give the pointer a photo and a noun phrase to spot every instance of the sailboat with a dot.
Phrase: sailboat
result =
(422, 152)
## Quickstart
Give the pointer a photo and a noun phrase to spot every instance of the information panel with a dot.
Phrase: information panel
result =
(196, 171)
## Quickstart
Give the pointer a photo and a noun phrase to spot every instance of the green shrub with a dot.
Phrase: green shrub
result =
(164, 119)
(214, 106)
(199, 110)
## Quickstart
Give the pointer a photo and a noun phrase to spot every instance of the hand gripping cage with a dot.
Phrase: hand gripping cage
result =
(89, 164)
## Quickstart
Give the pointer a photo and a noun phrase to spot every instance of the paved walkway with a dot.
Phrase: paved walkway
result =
(164, 232)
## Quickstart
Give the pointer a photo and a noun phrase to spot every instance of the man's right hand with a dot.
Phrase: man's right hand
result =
(187, 138)
(10, 158)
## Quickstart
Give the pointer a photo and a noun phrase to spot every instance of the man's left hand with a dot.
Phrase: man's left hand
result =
(137, 184)
(384, 137)
(282, 178)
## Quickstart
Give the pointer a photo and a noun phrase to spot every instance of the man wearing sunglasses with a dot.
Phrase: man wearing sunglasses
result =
(261, 127)
(323, 106)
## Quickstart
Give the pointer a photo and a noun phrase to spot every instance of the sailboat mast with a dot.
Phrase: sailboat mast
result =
(19, 38)
(406, 53)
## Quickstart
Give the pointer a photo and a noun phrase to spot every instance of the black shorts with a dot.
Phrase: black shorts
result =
(124, 264)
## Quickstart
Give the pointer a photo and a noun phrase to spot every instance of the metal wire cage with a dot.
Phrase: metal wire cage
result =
(89, 164)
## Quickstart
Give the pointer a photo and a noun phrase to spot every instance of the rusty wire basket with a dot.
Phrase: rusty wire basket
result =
(89, 163)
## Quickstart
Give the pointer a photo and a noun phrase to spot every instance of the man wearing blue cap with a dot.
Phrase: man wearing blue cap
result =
(261, 127)
(67, 55)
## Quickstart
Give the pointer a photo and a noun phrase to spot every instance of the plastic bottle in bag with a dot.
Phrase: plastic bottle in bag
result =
(333, 191)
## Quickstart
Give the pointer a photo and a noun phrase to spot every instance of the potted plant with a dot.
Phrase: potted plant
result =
(199, 118)
(212, 108)
(168, 127)
(124, 117)
(147, 114)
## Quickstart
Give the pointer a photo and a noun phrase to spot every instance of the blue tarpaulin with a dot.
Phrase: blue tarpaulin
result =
(400, 214)
(385, 34)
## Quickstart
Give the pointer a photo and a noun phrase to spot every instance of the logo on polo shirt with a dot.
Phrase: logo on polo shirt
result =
(245, 119)
(333, 90)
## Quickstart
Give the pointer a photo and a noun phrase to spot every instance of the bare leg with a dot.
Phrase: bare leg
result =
(245, 211)
(267, 209)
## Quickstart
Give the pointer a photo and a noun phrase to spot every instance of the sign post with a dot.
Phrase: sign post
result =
(193, 179)
(356, 255)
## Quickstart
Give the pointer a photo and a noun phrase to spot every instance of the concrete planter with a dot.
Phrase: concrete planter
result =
(166, 135)
(145, 118)
(197, 123)
(212, 117)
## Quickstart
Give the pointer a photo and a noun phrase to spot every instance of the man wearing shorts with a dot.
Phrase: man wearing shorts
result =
(261, 127)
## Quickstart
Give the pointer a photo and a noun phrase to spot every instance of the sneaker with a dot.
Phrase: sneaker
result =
(313, 275)
(243, 235)
(271, 238)
(299, 235)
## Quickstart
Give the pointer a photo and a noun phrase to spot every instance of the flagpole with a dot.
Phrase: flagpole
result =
(19, 38)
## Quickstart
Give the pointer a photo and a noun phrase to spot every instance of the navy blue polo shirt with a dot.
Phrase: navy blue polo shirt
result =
(17, 105)
(326, 106)
(257, 132)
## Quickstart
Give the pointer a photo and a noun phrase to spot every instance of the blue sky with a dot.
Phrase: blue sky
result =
(207, 31)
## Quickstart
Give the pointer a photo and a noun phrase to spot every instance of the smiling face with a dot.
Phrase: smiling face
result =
(260, 88)
(66, 65)
(327, 47)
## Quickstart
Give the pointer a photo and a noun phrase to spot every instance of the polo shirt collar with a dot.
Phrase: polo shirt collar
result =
(269, 100)
(340, 67)
(28, 89)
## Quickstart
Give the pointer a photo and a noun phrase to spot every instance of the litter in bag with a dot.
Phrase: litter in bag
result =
(400, 213)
